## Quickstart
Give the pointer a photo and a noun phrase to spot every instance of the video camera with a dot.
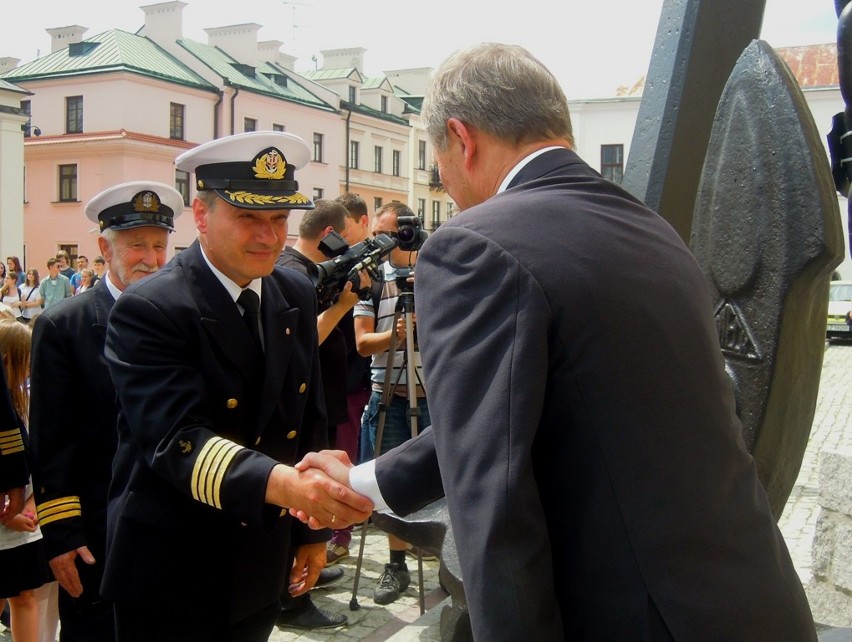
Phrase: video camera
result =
(330, 276)
(411, 236)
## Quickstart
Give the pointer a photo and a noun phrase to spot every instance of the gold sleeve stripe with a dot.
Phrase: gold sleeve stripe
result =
(11, 442)
(56, 509)
(209, 470)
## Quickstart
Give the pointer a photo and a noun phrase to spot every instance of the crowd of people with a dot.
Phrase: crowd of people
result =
(24, 295)
(594, 470)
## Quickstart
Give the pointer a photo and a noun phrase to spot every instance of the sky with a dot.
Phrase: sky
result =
(592, 48)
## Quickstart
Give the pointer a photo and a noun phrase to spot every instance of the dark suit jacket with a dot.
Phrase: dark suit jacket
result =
(72, 420)
(594, 468)
(14, 471)
(200, 428)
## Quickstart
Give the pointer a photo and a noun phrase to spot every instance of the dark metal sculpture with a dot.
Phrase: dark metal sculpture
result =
(767, 233)
(697, 44)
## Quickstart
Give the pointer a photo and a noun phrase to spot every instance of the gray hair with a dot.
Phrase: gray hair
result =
(500, 89)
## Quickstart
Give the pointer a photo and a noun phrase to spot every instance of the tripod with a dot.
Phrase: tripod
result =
(405, 310)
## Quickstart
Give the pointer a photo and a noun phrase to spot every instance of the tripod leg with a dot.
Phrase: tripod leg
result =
(353, 603)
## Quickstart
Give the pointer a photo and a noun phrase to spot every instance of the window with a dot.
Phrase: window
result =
(249, 124)
(176, 114)
(182, 185)
(449, 210)
(377, 155)
(73, 114)
(67, 183)
(318, 193)
(353, 154)
(397, 161)
(421, 154)
(421, 208)
(318, 147)
(377, 203)
(436, 214)
(612, 162)
(26, 110)
(278, 128)
(353, 94)
(72, 249)
(384, 104)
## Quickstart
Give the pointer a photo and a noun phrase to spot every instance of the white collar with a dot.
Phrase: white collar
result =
(233, 289)
(524, 162)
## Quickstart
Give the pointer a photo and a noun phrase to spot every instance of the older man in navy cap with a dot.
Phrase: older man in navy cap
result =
(73, 418)
(215, 364)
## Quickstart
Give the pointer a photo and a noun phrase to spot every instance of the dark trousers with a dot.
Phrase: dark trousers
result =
(88, 618)
(159, 622)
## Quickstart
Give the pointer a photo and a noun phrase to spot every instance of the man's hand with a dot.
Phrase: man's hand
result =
(65, 571)
(307, 564)
(11, 503)
(330, 502)
(335, 464)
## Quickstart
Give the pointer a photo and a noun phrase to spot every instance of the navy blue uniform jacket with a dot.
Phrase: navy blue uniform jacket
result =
(200, 427)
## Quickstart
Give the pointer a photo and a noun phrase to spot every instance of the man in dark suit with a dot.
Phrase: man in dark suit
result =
(595, 472)
(73, 418)
(215, 365)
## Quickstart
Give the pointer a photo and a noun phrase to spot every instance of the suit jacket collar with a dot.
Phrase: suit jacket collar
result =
(102, 302)
(546, 163)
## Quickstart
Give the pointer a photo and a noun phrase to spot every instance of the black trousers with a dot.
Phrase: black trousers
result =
(158, 622)
(88, 618)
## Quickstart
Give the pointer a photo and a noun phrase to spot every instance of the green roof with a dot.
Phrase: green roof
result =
(374, 83)
(110, 51)
(267, 79)
(10, 87)
(375, 113)
(332, 74)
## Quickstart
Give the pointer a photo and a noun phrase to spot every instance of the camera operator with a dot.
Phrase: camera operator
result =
(300, 612)
(373, 332)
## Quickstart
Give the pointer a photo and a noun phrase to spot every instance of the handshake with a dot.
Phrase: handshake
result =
(316, 491)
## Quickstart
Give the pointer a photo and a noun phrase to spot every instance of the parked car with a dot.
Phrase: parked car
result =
(839, 305)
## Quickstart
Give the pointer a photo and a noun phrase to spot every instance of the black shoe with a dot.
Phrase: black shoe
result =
(329, 577)
(391, 583)
(313, 617)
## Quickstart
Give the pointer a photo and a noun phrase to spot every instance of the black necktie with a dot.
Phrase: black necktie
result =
(250, 303)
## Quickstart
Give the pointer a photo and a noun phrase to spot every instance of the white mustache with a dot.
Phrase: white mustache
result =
(141, 267)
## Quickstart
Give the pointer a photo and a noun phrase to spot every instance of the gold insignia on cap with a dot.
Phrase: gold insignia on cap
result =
(185, 446)
(265, 199)
(271, 164)
(146, 201)
(60, 508)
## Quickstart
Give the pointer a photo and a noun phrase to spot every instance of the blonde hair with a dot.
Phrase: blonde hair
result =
(15, 346)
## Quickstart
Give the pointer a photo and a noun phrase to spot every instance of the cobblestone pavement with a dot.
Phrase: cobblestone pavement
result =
(831, 430)
(402, 621)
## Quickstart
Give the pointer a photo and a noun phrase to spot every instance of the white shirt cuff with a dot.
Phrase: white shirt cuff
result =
(362, 478)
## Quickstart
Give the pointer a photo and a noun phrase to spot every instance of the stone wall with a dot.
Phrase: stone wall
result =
(830, 590)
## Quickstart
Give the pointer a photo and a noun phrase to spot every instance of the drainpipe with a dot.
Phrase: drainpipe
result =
(346, 151)
(216, 113)
(233, 103)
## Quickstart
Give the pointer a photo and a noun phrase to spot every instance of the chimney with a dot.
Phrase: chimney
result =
(344, 58)
(61, 37)
(240, 41)
(8, 64)
(270, 51)
(163, 22)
